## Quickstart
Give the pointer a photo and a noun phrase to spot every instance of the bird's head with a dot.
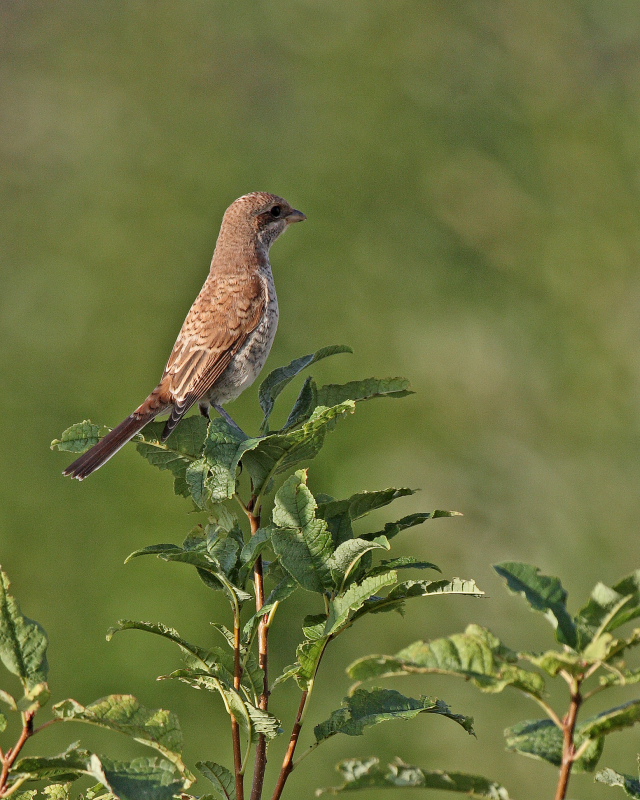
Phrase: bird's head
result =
(260, 215)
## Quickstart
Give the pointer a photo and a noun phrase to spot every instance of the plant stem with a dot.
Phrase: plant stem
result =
(568, 728)
(263, 657)
(235, 727)
(14, 752)
(287, 764)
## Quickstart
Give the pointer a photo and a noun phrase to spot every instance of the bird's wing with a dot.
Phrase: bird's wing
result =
(216, 327)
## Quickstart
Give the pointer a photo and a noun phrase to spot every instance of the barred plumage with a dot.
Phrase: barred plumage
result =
(227, 334)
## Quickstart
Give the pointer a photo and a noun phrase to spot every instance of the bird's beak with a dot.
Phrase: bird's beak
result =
(295, 216)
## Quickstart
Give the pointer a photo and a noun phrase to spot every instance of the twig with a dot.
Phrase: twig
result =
(14, 752)
(235, 727)
(263, 657)
(287, 764)
(569, 754)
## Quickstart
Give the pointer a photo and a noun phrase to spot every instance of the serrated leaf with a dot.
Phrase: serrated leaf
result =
(279, 379)
(270, 456)
(609, 608)
(205, 657)
(346, 605)
(220, 451)
(339, 514)
(9, 700)
(334, 393)
(542, 739)
(396, 598)
(23, 642)
(68, 766)
(309, 655)
(144, 779)
(304, 405)
(615, 719)
(475, 655)
(302, 541)
(285, 588)
(34, 698)
(392, 529)
(365, 708)
(79, 437)
(543, 593)
(57, 791)
(223, 781)
(403, 562)
(368, 774)
(612, 778)
(155, 728)
(182, 449)
(348, 553)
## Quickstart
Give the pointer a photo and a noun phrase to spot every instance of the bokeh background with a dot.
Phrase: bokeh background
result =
(470, 172)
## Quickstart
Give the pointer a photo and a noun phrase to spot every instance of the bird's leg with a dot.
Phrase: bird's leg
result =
(227, 417)
(204, 410)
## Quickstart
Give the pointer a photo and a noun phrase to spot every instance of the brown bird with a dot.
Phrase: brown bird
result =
(227, 335)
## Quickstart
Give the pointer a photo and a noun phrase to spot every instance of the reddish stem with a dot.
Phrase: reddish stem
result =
(235, 728)
(260, 767)
(14, 752)
(569, 747)
(287, 764)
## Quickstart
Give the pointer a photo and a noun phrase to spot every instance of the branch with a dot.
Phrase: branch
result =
(263, 657)
(569, 754)
(14, 752)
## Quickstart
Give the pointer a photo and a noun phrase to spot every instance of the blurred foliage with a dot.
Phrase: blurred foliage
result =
(470, 174)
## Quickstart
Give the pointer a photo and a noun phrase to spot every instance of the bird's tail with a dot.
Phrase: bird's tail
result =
(117, 438)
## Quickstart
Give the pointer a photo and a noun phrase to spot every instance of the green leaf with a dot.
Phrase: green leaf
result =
(141, 779)
(223, 781)
(57, 791)
(286, 587)
(219, 456)
(302, 542)
(609, 608)
(23, 642)
(475, 655)
(403, 562)
(308, 655)
(79, 437)
(344, 606)
(155, 728)
(34, 698)
(334, 393)
(9, 700)
(612, 778)
(396, 598)
(270, 456)
(348, 553)
(182, 449)
(615, 719)
(542, 739)
(205, 657)
(392, 529)
(304, 405)
(368, 774)
(3, 722)
(366, 708)
(144, 779)
(543, 593)
(279, 379)
(339, 514)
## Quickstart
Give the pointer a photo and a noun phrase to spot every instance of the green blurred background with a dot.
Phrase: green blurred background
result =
(471, 176)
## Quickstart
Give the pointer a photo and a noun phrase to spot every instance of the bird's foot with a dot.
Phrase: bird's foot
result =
(229, 419)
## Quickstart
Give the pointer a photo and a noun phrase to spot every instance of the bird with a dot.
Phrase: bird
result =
(227, 335)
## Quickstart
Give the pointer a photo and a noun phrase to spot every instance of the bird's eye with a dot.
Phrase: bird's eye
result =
(276, 211)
